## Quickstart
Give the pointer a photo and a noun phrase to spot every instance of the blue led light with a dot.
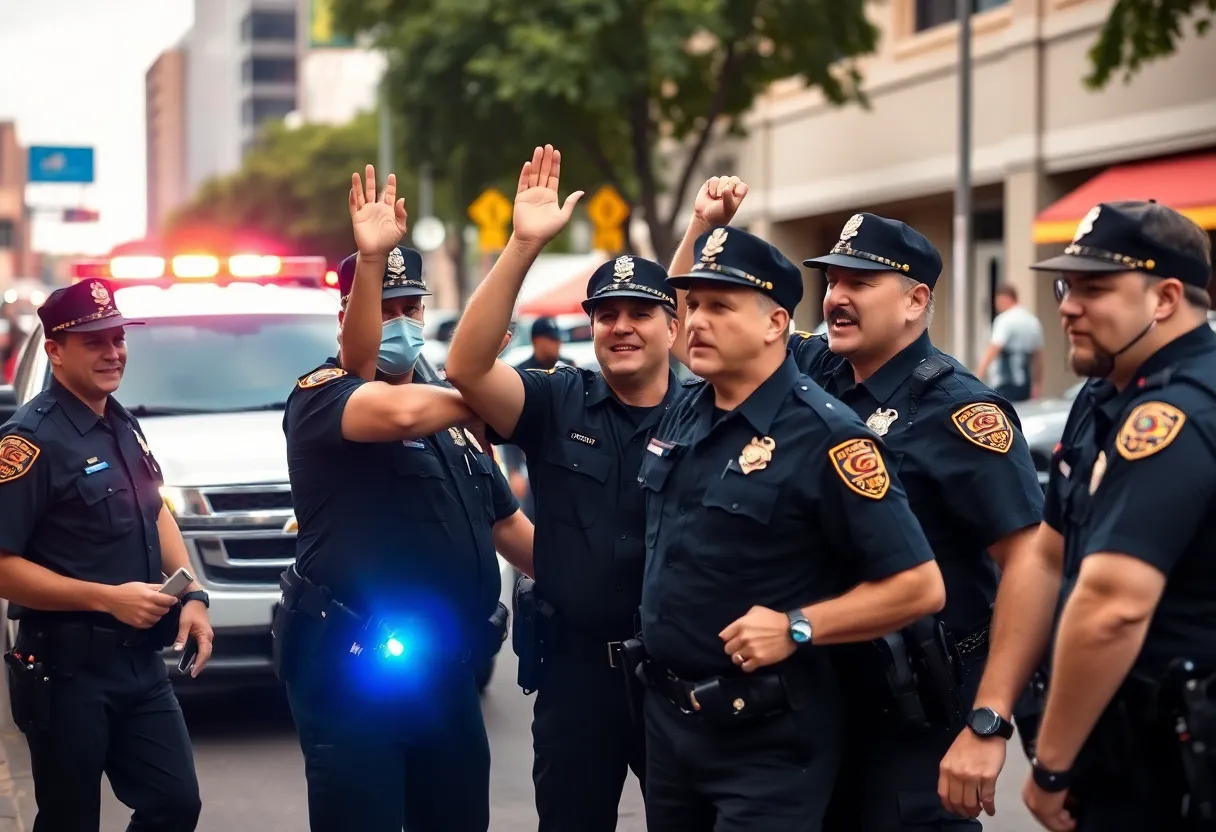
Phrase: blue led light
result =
(394, 647)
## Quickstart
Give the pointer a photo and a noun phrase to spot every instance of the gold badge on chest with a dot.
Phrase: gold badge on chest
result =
(457, 436)
(880, 420)
(757, 455)
(1095, 478)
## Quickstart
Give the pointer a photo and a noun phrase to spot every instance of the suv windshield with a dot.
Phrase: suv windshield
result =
(222, 363)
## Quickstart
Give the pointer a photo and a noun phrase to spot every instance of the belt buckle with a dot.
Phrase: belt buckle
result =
(614, 650)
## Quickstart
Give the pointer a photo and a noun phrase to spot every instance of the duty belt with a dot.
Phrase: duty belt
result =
(720, 698)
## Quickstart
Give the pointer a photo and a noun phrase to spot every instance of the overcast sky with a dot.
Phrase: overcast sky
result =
(72, 73)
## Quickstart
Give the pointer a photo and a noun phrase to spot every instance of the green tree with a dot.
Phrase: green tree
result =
(291, 188)
(1140, 31)
(481, 82)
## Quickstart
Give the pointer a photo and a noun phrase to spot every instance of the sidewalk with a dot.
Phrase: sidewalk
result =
(10, 820)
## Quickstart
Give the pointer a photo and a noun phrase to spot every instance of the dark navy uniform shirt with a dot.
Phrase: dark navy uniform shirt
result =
(392, 527)
(785, 501)
(584, 448)
(958, 450)
(80, 494)
(1135, 474)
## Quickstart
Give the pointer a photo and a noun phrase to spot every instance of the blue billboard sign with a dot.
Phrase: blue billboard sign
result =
(60, 164)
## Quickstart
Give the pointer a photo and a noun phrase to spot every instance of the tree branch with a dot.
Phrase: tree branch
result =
(698, 148)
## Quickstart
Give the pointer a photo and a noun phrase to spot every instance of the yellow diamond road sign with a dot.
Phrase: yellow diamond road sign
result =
(491, 208)
(610, 240)
(606, 209)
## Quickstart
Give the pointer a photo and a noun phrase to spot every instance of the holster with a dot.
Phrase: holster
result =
(1195, 729)
(492, 635)
(29, 688)
(633, 660)
(922, 674)
(1028, 711)
(529, 636)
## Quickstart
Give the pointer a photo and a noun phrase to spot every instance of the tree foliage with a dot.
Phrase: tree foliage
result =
(481, 82)
(1140, 31)
(291, 188)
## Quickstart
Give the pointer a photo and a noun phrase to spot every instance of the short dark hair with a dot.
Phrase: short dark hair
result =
(1008, 290)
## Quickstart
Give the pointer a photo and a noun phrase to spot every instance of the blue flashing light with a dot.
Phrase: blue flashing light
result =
(394, 647)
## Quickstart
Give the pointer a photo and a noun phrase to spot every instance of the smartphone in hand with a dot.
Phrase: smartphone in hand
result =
(189, 654)
(177, 583)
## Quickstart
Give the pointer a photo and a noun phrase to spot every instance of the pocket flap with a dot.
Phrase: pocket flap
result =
(736, 494)
(654, 471)
(593, 464)
(93, 489)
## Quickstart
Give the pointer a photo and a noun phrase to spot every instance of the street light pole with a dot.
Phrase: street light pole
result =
(961, 283)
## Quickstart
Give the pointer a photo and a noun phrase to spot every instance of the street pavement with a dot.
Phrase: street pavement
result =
(252, 775)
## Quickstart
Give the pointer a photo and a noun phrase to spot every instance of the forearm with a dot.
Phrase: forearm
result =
(513, 539)
(434, 409)
(873, 609)
(1021, 629)
(478, 338)
(1095, 650)
(30, 585)
(681, 263)
(173, 555)
(361, 323)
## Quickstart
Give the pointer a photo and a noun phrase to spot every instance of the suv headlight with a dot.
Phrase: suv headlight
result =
(174, 499)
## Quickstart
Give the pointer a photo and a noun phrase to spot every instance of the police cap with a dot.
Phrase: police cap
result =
(876, 243)
(86, 306)
(731, 255)
(1134, 236)
(402, 275)
(546, 328)
(629, 277)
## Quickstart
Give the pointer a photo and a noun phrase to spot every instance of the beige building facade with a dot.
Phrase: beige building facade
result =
(16, 260)
(1038, 134)
(165, 87)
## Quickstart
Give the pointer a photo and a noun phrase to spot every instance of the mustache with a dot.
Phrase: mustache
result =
(840, 314)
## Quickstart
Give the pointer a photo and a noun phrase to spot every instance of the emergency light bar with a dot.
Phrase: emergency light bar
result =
(205, 268)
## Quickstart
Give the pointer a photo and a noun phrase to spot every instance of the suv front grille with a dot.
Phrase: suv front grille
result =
(242, 535)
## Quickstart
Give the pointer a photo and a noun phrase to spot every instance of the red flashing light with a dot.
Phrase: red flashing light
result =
(207, 268)
(331, 278)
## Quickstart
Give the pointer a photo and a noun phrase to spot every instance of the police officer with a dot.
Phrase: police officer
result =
(84, 541)
(386, 612)
(972, 486)
(584, 433)
(775, 526)
(1129, 516)
(546, 346)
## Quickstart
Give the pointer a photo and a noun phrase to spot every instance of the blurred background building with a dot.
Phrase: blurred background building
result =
(1039, 135)
(16, 259)
(166, 125)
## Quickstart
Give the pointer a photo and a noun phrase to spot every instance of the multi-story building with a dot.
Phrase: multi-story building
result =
(165, 85)
(241, 70)
(339, 77)
(16, 259)
(1045, 147)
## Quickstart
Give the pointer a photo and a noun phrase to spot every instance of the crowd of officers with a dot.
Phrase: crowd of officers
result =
(813, 588)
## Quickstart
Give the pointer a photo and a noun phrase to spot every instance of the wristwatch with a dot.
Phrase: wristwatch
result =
(1048, 780)
(988, 723)
(197, 595)
(800, 627)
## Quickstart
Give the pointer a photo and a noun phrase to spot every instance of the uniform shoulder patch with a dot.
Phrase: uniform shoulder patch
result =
(1150, 428)
(319, 377)
(803, 333)
(986, 425)
(17, 455)
(860, 465)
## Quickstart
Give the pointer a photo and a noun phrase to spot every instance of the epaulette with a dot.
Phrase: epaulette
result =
(692, 382)
(36, 409)
(928, 373)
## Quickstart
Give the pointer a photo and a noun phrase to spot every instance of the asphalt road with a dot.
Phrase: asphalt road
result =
(252, 774)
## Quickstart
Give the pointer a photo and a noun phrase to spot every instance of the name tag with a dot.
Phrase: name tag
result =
(100, 466)
(659, 449)
(414, 443)
(584, 438)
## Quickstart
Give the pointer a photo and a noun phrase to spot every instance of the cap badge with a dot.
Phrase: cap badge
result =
(1087, 223)
(622, 269)
(851, 227)
(757, 455)
(714, 245)
(396, 263)
(880, 421)
(100, 294)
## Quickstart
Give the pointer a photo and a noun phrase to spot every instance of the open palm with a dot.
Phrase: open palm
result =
(379, 224)
(538, 215)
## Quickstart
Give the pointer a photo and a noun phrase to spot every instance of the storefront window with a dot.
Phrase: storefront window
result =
(930, 13)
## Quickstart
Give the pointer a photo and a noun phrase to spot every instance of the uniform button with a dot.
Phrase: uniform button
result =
(109, 490)
(576, 465)
(667, 562)
(622, 537)
(734, 506)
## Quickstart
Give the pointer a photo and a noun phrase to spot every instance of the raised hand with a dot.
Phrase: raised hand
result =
(379, 224)
(719, 199)
(538, 215)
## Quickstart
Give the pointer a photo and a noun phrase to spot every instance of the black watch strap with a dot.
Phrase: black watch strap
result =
(986, 722)
(198, 595)
(1048, 780)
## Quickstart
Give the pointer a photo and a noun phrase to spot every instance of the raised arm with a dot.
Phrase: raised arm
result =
(491, 387)
(379, 225)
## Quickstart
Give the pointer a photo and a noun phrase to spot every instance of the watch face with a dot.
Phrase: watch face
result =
(983, 721)
(801, 631)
